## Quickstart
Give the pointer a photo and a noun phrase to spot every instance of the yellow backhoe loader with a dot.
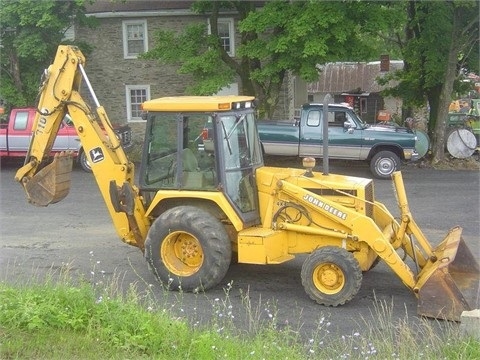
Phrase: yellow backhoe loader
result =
(203, 194)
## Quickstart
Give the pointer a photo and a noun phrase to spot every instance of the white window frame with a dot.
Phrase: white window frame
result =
(231, 32)
(128, 94)
(125, 25)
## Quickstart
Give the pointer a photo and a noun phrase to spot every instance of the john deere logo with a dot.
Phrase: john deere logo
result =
(96, 155)
(320, 204)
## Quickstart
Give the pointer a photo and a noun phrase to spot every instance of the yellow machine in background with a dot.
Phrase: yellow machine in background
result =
(204, 193)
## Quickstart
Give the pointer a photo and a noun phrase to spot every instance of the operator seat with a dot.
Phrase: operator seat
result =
(190, 162)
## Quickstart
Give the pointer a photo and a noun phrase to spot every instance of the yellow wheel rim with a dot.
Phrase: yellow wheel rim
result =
(182, 253)
(328, 278)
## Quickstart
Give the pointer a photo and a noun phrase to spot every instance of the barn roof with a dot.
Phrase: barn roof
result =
(350, 76)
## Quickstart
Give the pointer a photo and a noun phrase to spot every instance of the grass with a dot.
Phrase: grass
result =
(59, 319)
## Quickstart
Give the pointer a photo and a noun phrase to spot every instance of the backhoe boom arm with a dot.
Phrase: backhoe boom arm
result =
(60, 95)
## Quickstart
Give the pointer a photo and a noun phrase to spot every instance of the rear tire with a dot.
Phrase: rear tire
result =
(84, 163)
(188, 249)
(331, 276)
(384, 164)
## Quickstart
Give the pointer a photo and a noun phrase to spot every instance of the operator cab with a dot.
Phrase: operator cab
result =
(200, 144)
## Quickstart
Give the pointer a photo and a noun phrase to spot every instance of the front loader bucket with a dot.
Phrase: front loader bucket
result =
(52, 183)
(450, 285)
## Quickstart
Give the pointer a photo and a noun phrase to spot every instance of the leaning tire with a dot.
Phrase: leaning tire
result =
(422, 145)
(384, 164)
(331, 276)
(84, 163)
(461, 143)
(188, 249)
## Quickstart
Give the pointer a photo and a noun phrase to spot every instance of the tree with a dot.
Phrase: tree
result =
(30, 33)
(463, 38)
(440, 43)
(279, 37)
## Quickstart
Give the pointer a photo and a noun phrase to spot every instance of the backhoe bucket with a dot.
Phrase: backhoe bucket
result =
(52, 183)
(450, 285)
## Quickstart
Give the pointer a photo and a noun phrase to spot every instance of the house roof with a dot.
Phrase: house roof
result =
(347, 76)
(109, 8)
(102, 6)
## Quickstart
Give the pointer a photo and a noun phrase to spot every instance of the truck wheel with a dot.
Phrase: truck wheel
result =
(384, 164)
(331, 276)
(188, 249)
(84, 163)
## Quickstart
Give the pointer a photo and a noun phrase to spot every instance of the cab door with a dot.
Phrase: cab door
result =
(239, 153)
(344, 138)
(311, 133)
(67, 138)
(20, 130)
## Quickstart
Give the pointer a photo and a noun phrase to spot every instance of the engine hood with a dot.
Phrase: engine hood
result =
(389, 127)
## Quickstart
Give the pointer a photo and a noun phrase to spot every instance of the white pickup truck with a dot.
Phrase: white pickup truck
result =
(16, 134)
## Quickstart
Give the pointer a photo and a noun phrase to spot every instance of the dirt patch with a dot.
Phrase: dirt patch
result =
(451, 163)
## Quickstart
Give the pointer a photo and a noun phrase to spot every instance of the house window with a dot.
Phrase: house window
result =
(136, 95)
(134, 38)
(226, 34)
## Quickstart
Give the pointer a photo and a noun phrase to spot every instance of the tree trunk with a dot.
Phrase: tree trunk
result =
(433, 96)
(15, 71)
(446, 93)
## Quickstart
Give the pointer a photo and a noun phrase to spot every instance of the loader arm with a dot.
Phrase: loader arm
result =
(113, 172)
(361, 227)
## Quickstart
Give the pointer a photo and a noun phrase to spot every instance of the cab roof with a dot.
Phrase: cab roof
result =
(198, 103)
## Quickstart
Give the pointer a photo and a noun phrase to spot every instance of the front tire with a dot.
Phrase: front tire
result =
(384, 164)
(188, 249)
(331, 276)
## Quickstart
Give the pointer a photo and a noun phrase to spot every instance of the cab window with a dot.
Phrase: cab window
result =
(176, 157)
(21, 120)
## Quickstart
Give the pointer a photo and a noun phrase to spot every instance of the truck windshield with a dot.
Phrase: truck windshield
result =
(359, 120)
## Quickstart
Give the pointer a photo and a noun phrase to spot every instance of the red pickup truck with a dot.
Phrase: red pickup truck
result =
(16, 133)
